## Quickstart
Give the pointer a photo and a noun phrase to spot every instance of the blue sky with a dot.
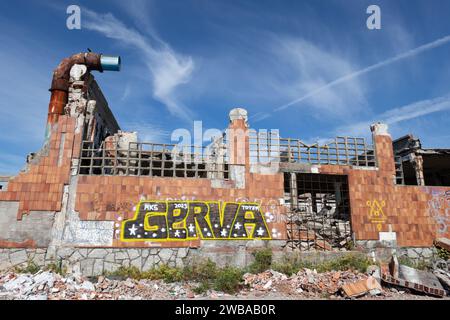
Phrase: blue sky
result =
(196, 60)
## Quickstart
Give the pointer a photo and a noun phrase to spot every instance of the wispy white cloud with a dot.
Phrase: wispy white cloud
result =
(168, 68)
(352, 75)
(407, 112)
(308, 66)
(126, 92)
(141, 13)
(259, 116)
(273, 68)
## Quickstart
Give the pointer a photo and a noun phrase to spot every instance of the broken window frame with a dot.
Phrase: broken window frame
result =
(302, 190)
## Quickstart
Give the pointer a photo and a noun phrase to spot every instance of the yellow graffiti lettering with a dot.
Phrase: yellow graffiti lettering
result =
(192, 220)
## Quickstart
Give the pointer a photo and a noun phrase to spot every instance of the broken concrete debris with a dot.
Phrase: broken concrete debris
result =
(444, 278)
(443, 243)
(410, 278)
(362, 287)
(395, 275)
(305, 284)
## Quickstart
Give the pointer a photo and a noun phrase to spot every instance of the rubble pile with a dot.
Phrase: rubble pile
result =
(306, 282)
(325, 230)
(46, 285)
(393, 281)
(441, 267)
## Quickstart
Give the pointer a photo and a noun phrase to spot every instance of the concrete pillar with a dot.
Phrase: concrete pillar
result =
(238, 137)
(238, 146)
(384, 150)
(294, 190)
(418, 167)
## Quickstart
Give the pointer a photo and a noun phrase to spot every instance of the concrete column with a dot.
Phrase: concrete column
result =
(418, 167)
(384, 150)
(238, 142)
(238, 146)
(294, 190)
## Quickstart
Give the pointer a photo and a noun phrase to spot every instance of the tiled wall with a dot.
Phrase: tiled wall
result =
(417, 214)
(378, 204)
(40, 188)
(114, 198)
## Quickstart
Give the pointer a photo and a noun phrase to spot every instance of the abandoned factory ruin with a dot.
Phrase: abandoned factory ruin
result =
(95, 198)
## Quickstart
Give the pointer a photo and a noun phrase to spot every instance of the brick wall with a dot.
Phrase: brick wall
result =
(417, 214)
(40, 187)
(114, 198)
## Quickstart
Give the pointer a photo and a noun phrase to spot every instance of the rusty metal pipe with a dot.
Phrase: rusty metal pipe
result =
(61, 76)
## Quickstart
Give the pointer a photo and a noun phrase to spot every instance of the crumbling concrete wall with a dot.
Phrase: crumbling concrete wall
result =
(34, 230)
(381, 208)
(80, 218)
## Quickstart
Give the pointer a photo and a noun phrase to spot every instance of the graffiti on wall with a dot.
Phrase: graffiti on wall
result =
(439, 209)
(191, 220)
(376, 213)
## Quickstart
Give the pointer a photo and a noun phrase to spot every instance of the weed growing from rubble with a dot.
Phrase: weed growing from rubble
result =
(206, 272)
(168, 274)
(347, 262)
(163, 272)
(443, 254)
(263, 261)
(127, 272)
(202, 287)
(420, 265)
(292, 265)
(201, 271)
(56, 267)
(31, 267)
(228, 279)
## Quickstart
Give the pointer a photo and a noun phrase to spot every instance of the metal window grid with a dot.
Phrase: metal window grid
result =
(319, 216)
(155, 160)
(268, 147)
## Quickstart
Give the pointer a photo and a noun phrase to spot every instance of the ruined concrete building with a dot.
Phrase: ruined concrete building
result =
(422, 167)
(95, 198)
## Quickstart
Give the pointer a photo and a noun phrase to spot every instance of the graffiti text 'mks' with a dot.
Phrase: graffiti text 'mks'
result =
(190, 220)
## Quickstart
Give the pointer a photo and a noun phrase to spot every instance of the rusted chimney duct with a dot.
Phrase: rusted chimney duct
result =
(60, 82)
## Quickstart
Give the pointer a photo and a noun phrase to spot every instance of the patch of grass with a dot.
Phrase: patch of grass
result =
(31, 267)
(263, 261)
(420, 265)
(347, 262)
(163, 272)
(350, 245)
(228, 279)
(201, 271)
(127, 272)
(56, 267)
(443, 253)
(168, 274)
(202, 287)
(290, 266)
